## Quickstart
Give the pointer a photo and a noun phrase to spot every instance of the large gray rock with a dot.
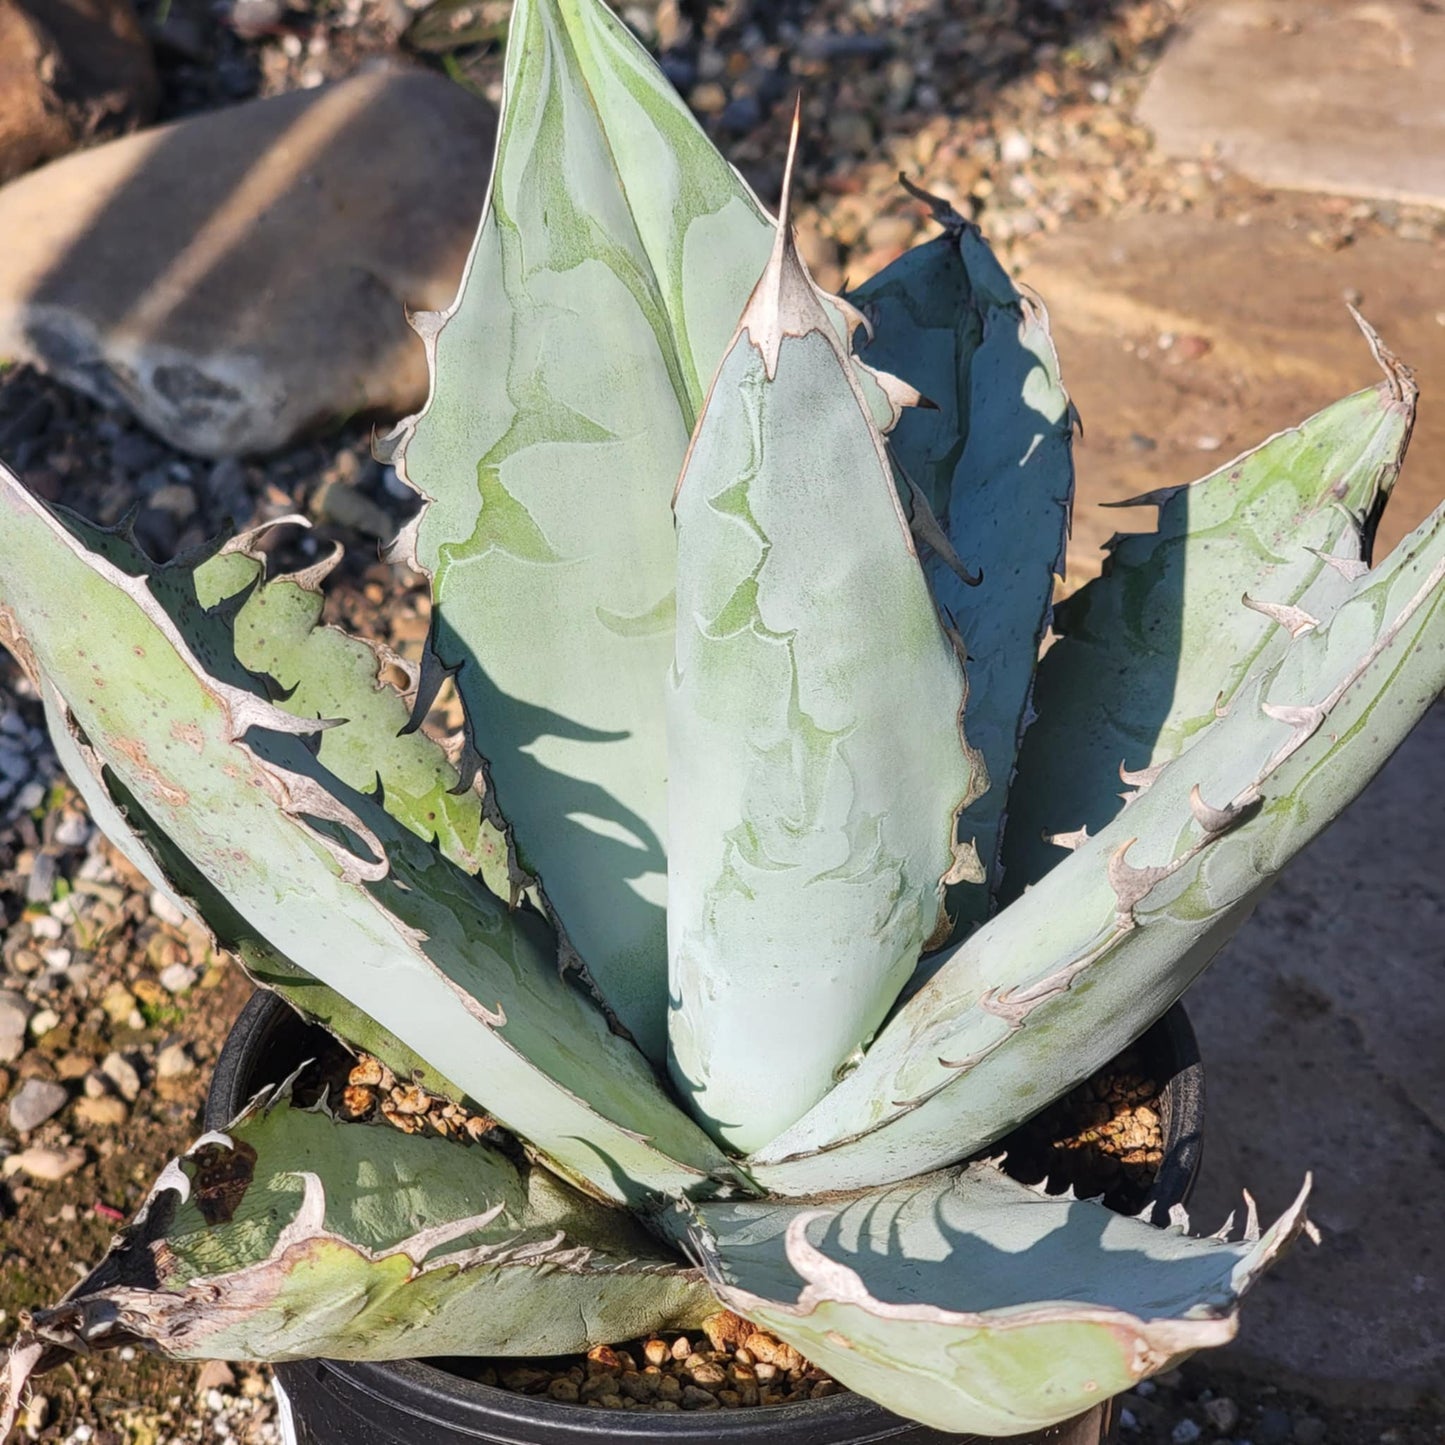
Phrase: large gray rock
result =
(1321, 1027)
(1185, 340)
(71, 71)
(1340, 97)
(241, 277)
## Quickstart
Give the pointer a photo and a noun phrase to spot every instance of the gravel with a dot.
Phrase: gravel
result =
(27, 761)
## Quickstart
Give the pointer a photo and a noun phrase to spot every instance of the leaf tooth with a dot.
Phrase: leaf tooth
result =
(1131, 885)
(248, 541)
(942, 211)
(309, 1220)
(967, 865)
(1251, 1219)
(1143, 777)
(426, 324)
(1295, 620)
(1158, 497)
(310, 578)
(1225, 1229)
(1073, 840)
(1217, 820)
(928, 530)
(425, 1242)
(1350, 568)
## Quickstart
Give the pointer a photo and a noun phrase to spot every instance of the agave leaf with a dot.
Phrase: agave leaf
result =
(1149, 650)
(616, 251)
(1070, 973)
(972, 1304)
(328, 879)
(614, 256)
(994, 459)
(290, 1235)
(117, 814)
(815, 762)
(323, 672)
(231, 571)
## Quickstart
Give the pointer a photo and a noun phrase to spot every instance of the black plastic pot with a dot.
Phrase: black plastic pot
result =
(413, 1402)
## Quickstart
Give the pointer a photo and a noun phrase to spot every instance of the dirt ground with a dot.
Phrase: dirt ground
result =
(1017, 110)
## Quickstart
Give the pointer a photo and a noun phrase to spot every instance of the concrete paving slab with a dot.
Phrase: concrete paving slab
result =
(1340, 97)
(1185, 340)
(1321, 1027)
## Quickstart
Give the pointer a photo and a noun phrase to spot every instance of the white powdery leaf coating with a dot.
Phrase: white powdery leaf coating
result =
(815, 758)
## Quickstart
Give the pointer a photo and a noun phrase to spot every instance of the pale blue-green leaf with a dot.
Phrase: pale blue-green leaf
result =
(1066, 976)
(117, 814)
(815, 761)
(290, 1235)
(614, 256)
(1151, 648)
(414, 772)
(968, 1302)
(328, 879)
(995, 461)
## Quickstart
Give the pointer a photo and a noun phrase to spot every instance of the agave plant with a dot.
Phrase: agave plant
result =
(713, 906)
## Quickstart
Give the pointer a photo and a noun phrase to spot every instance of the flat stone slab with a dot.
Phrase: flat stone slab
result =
(1186, 340)
(1320, 1026)
(242, 277)
(1343, 97)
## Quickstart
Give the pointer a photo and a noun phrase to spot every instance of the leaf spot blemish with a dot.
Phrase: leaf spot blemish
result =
(221, 1179)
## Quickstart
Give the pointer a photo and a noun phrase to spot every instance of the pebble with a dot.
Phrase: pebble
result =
(120, 1008)
(105, 1112)
(1222, 1413)
(40, 886)
(122, 1073)
(46, 1165)
(177, 977)
(42, 1022)
(36, 1101)
(1016, 149)
(72, 831)
(1186, 1432)
(15, 1012)
(166, 909)
(173, 1062)
(214, 1375)
(46, 926)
